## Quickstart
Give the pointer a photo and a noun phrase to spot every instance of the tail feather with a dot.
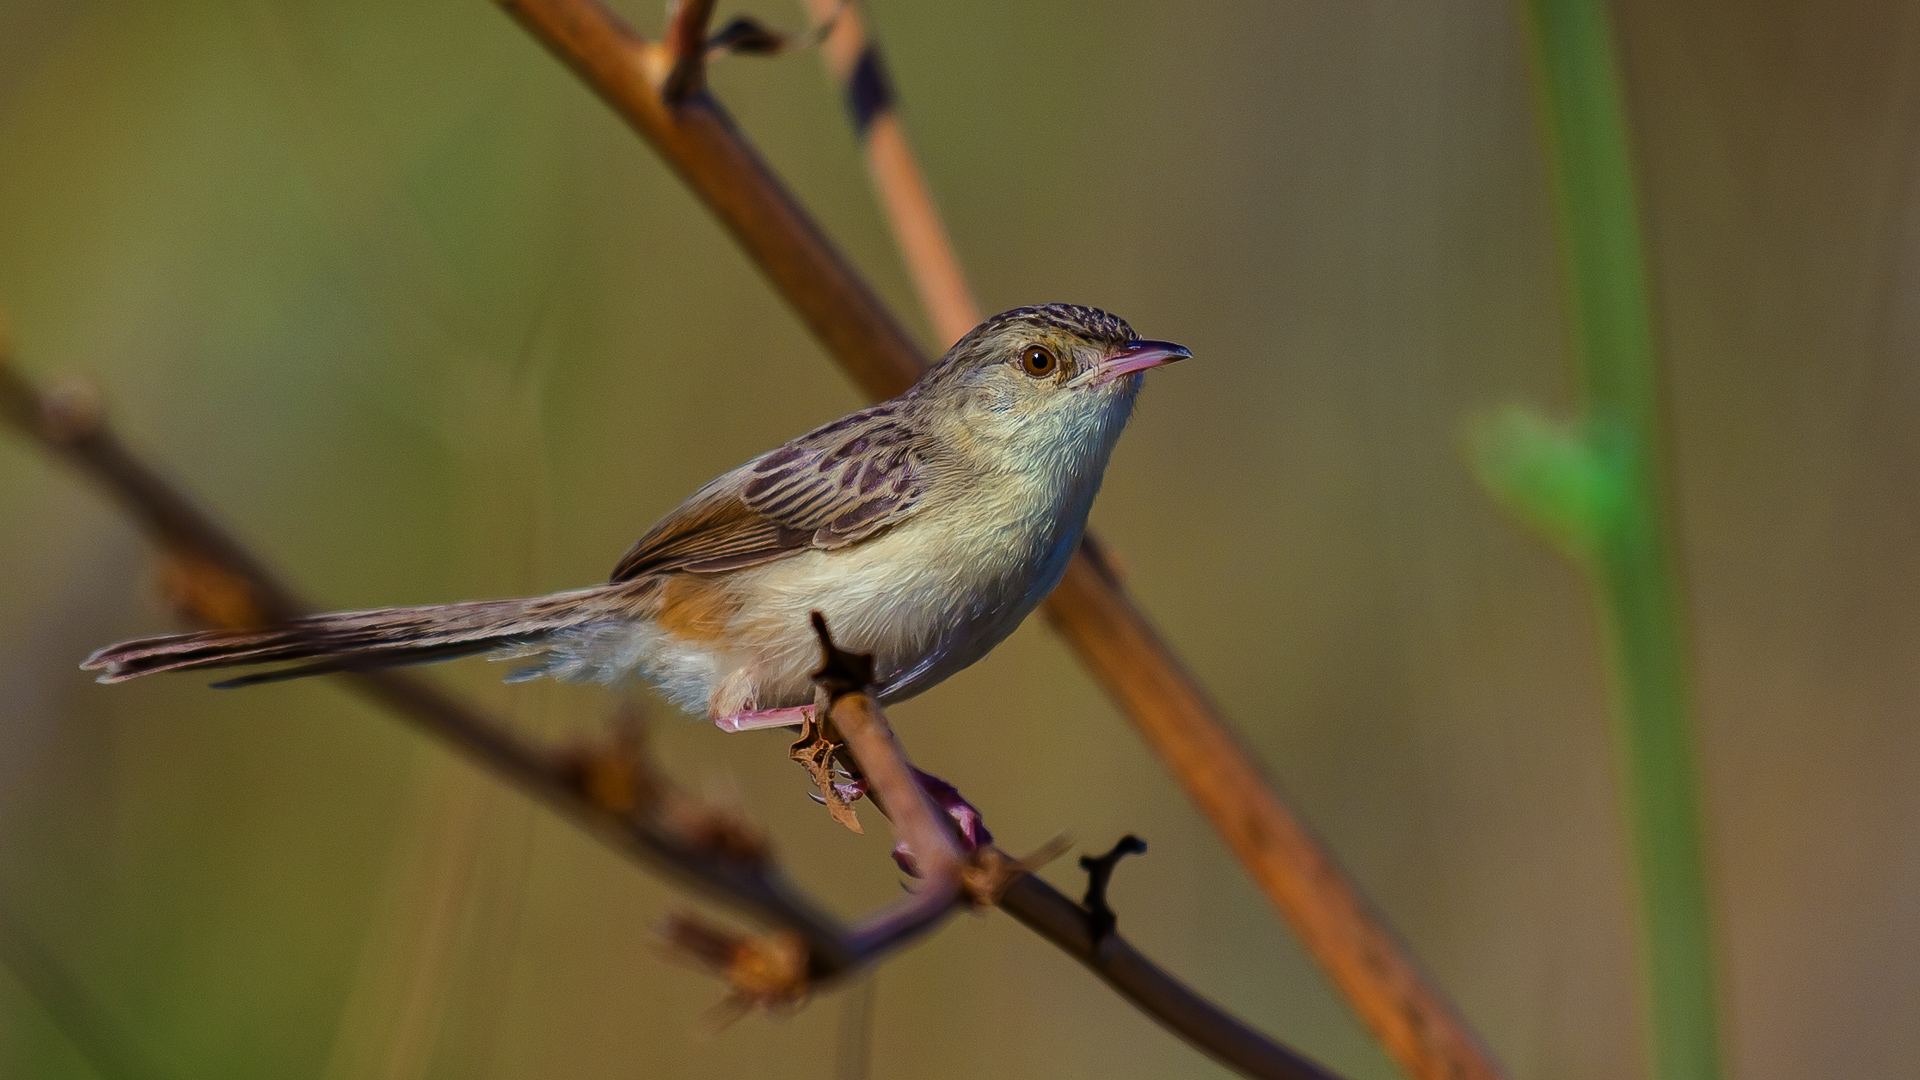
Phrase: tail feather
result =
(365, 660)
(357, 640)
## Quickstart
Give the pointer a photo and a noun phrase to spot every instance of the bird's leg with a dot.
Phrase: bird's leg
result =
(967, 822)
(791, 716)
(969, 827)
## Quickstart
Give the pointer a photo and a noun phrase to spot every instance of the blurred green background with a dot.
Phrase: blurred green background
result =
(400, 299)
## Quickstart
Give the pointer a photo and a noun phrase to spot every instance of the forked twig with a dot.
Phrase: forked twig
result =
(686, 44)
(1385, 985)
(1099, 870)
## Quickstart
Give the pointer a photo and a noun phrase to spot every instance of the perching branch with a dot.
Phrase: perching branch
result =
(1385, 985)
(770, 971)
(70, 423)
(611, 791)
(845, 682)
(608, 791)
(1114, 639)
(1087, 935)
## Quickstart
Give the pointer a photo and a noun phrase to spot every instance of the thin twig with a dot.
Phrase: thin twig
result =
(686, 44)
(699, 141)
(845, 682)
(1204, 1025)
(72, 426)
(1114, 639)
(853, 59)
(1099, 870)
(1086, 933)
(853, 1053)
(80, 435)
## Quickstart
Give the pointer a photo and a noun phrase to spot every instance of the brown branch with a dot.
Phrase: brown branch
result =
(1204, 1026)
(853, 59)
(1378, 976)
(1085, 933)
(1381, 979)
(920, 831)
(700, 142)
(847, 707)
(770, 971)
(70, 424)
(686, 45)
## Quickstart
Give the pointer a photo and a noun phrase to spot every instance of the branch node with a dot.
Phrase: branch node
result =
(618, 777)
(614, 774)
(720, 832)
(202, 591)
(1099, 870)
(763, 971)
(686, 48)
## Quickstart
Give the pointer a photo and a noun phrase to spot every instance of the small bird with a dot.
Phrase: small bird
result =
(924, 529)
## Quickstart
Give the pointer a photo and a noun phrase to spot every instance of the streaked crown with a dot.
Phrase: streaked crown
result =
(1090, 323)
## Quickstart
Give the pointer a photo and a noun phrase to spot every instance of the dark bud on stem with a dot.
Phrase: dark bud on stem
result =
(1099, 870)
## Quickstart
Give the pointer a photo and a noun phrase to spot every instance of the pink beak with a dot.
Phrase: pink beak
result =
(1138, 356)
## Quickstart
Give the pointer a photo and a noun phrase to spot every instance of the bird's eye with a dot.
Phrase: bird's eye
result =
(1038, 362)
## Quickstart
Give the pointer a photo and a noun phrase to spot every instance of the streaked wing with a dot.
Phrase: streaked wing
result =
(834, 486)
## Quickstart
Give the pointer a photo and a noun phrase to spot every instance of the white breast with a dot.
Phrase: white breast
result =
(926, 599)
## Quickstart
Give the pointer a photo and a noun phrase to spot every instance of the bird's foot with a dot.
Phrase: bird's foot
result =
(850, 788)
(969, 827)
(792, 716)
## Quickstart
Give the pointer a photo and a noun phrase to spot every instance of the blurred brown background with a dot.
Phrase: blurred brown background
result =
(396, 295)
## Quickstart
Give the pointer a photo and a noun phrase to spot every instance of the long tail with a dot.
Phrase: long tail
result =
(358, 640)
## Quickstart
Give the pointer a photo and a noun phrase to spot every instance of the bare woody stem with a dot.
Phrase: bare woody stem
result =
(854, 61)
(71, 424)
(845, 701)
(1086, 934)
(1385, 985)
(699, 142)
(686, 51)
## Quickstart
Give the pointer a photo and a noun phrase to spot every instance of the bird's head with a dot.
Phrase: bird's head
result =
(1057, 380)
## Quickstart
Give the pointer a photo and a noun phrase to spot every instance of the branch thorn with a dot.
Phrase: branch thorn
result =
(841, 672)
(1099, 870)
(686, 45)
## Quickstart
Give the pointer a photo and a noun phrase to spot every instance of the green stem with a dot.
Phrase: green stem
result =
(1628, 537)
